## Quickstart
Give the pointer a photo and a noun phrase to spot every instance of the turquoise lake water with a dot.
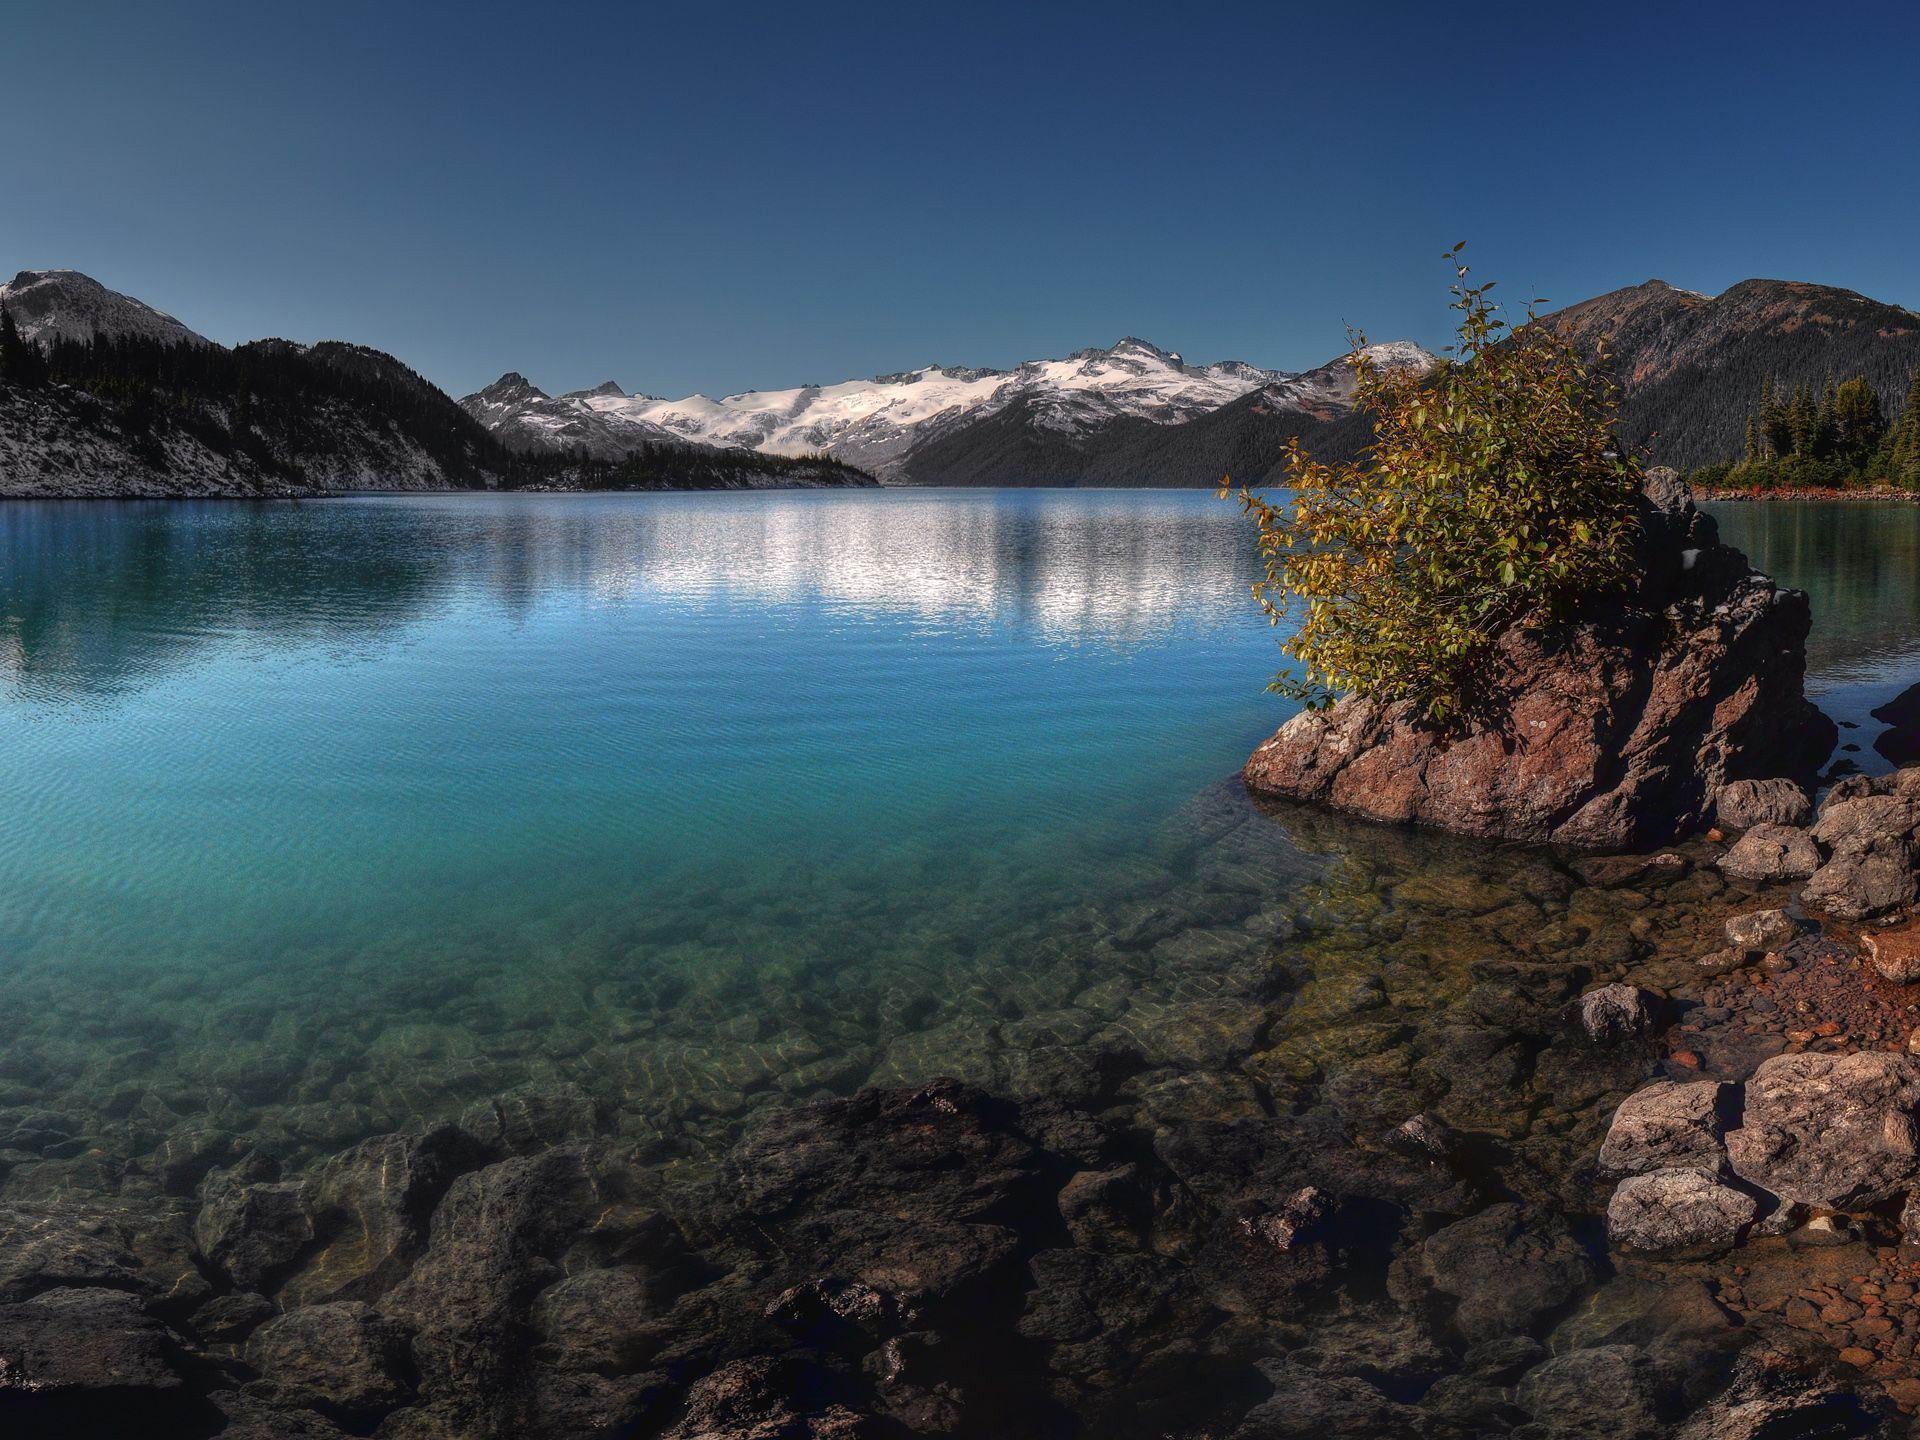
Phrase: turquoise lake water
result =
(231, 732)
(364, 808)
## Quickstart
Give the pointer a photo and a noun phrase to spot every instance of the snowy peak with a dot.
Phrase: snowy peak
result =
(875, 423)
(51, 305)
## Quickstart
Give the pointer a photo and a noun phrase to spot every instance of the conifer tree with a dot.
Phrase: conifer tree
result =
(1858, 421)
(20, 362)
(1775, 428)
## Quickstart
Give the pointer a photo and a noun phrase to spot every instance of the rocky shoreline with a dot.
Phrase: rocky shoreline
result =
(1322, 1158)
(1722, 494)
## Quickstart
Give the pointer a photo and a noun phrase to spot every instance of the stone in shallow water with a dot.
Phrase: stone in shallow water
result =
(1895, 953)
(1667, 1126)
(1504, 1271)
(254, 1233)
(1834, 1131)
(1743, 804)
(1307, 1405)
(1607, 1392)
(497, 1240)
(1678, 1210)
(1761, 930)
(371, 1206)
(1769, 853)
(1852, 825)
(1614, 1013)
(598, 1320)
(1859, 886)
(126, 1245)
(80, 1340)
(336, 1358)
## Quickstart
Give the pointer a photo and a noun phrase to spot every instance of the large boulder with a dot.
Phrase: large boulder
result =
(1744, 804)
(1613, 731)
(1835, 1131)
(1668, 1125)
(1767, 853)
(1690, 1210)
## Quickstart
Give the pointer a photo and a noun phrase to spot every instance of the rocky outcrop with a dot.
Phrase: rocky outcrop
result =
(1616, 731)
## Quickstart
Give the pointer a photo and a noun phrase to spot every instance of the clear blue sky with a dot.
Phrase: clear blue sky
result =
(724, 197)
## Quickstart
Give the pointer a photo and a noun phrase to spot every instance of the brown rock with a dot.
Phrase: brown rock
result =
(1834, 1131)
(1744, 804)
(1768, 853)
(1895, 953)
(1611, 732)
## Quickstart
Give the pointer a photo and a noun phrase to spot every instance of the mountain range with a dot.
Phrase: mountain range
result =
(135, 403)
(336, 416)
(1690, 367)
(883, 423)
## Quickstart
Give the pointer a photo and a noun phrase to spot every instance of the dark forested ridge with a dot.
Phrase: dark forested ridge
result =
(1690, 366)
(132, 414)
(1244, 439)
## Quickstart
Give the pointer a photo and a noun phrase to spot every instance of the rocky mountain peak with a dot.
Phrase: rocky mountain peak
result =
(51, 305)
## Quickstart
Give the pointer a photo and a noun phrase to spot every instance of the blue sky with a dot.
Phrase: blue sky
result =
(726, 197)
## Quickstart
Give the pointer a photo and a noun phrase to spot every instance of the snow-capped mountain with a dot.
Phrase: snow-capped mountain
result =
(66, 305)
(876, 423)
(522, 415)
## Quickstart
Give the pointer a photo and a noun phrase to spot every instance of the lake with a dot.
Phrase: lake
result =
(328, 819)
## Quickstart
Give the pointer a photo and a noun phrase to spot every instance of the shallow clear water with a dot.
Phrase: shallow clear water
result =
(1860, 564)
(535, 737)
(266, 734)
(644, 817)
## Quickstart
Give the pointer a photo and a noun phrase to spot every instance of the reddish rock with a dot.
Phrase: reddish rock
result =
(1614, 731)
(1895, 953)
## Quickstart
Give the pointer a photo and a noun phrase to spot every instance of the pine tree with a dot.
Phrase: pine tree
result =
(1858, 421)
(1751, 452)
(240, 418)
(1802, 421)
(1776, 427)
(1901, 449)
(21, 362)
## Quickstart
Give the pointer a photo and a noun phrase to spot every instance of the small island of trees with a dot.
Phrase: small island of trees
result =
(1838, 439)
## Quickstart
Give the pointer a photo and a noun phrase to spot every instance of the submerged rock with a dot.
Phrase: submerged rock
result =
(1613, 732)
(1614, 1013)
(1500, 1272)
(337, 1359)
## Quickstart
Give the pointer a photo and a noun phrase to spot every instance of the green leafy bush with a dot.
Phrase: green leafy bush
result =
(1493, 495)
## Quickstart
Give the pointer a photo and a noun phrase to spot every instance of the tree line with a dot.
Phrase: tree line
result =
(1838, 438)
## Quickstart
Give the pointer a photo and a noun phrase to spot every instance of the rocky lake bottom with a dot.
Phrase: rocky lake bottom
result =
(884, 1072)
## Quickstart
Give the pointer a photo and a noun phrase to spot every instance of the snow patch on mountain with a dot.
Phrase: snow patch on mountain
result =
(874, 423)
